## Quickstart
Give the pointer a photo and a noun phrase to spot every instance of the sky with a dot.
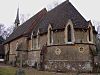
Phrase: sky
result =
(8, 8)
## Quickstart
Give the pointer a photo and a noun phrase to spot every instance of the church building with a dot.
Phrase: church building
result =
(57, 40)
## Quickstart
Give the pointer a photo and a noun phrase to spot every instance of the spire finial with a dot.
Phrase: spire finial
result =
(17, 21)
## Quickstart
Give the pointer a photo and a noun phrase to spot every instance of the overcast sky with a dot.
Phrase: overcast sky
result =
(8, 8)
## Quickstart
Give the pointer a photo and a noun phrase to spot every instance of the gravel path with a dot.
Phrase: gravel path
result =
(4, 65)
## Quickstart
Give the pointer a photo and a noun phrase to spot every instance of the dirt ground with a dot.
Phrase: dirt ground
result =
(9, 70)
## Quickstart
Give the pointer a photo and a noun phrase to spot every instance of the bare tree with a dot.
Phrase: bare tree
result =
(2, 27)
(5, 32)
(98, 29)
(98, 44)
(96, 24)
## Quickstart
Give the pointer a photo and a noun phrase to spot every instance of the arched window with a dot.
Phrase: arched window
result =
(17, 45)
(50, 35)
(69, 33)
(89, 33)
(38, 40)
(32, 41)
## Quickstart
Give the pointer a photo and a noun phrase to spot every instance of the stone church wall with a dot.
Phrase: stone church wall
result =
(34, 54)
(13, 46)
(58, 38)
(68, 58)
(33, 57)
(80, 36)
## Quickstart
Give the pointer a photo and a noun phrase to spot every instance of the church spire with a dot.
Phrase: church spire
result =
(67, 1)
(17, 21)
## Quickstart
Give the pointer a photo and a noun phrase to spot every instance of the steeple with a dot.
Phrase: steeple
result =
(67, 1)
(17, 21)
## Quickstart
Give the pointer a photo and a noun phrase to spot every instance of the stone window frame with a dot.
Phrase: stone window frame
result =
(91, 34)
(69, 33)
(34, 45)
(6, 48)
(17, 43)
(48, 35)
(32, 41)
(11, 52)
(72, 33)
(38, 40)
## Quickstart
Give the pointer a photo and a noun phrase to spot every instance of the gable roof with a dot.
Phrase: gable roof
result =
(26, 27)
(59, 16)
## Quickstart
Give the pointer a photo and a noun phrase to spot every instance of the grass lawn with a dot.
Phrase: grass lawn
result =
(7, 71)
(31, 71)
(28, 71)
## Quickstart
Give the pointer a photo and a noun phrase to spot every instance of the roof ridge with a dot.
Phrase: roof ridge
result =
(44, 9)
(77, 10)
(38, 19)
(59, 16)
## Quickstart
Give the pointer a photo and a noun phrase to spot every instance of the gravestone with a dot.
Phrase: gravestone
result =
(20, 71)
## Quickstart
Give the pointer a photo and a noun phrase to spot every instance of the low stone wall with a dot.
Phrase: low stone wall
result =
(68, 66)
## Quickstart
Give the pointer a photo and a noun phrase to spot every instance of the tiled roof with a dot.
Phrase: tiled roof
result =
(59, 16)
(26, 27)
